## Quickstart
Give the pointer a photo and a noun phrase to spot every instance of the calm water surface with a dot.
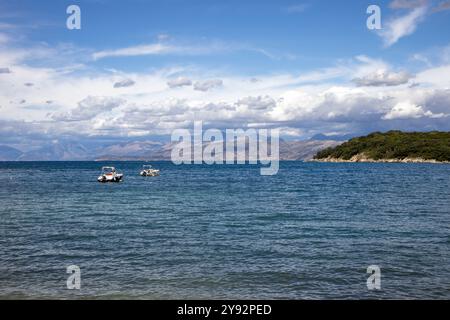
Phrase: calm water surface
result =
(200, 232)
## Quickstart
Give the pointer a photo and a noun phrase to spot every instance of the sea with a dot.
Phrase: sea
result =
(225, 232)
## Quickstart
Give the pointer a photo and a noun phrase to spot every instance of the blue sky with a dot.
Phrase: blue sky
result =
(139, 69)
(298, 34)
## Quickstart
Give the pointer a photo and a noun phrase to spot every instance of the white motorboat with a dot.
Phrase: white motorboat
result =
(109, 174)
(148, 171)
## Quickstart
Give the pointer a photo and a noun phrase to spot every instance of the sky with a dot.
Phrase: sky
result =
(138, 70)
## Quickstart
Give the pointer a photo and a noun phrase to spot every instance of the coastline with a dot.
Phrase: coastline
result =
(362, 159)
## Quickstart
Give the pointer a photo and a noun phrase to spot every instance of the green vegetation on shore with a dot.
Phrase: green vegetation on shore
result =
(393, 145)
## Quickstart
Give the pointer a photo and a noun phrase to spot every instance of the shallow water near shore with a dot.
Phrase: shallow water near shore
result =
(225, 232)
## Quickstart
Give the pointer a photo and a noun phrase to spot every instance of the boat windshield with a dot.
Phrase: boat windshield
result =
(108, 169)
(147, 167)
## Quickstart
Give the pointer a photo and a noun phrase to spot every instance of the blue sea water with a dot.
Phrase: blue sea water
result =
(224, 232)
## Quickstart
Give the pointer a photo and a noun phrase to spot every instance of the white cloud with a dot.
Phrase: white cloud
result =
(179, 82)
(337, 108)
(311, 101)
(408, 110)
(124, 83)
(403, 26)
(164, 47)
(404, 110)
(299, 102)
(207, 85)
(383, 77)
(4, 70)
(438, 76)
(261, 103)
(143, 50)
(89, 108)
(407, 4)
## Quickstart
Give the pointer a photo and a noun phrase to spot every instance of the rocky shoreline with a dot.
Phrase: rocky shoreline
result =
(364, 159)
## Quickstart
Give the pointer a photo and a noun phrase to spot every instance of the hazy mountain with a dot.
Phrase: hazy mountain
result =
(135, 149)
(9, 153)
(290, 150)
(304, 150)
(144, 150)
(65, 151)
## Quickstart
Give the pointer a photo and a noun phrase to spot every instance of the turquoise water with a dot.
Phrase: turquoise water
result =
(200, 232)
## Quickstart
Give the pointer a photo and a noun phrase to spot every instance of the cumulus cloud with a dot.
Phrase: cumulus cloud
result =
(208, 85)
(300, 102)
(166, 108)
(179, 82)
(89, 108)
(438, 76)
(408, 110)
(383, 78)
(312, 100)
(258, 103)
(124, 83)
(339, 109)
(414, 85)
(403, 26)
(437, 101)
(217, 107)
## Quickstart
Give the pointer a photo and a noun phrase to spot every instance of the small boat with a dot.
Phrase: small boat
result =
(148, 171)
(109, 174)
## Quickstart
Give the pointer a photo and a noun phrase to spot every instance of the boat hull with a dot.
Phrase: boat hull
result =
(147, 173)
(105, 179)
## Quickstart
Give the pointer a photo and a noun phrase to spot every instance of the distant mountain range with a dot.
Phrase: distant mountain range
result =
(9, 154)
(143, 150)
(57, 152)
